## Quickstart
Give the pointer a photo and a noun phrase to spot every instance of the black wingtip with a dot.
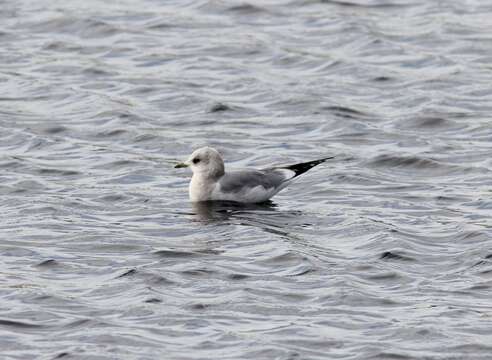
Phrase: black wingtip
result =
(301, 168)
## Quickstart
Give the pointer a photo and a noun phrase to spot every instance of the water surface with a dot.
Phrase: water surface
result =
(384, 253)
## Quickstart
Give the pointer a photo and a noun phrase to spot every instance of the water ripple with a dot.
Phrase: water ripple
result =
(383, 253)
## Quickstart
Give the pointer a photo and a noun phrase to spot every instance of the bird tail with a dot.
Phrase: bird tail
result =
(301, 168)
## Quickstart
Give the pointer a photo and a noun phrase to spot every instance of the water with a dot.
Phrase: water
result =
(384, 253)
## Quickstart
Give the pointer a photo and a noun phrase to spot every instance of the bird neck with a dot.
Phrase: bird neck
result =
(212, 172)
(201, 187)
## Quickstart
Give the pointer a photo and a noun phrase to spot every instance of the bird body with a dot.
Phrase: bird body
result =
(211, 182)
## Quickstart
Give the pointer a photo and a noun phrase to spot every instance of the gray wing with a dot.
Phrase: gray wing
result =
(239, 180)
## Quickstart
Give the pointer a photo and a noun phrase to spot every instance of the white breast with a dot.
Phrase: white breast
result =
(200, 190)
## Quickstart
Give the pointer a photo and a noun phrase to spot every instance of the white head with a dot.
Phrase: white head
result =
(205, 161)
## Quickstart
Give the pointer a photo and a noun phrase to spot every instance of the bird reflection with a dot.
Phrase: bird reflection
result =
(211, 211)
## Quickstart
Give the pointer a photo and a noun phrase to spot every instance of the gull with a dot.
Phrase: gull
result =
(210, 181)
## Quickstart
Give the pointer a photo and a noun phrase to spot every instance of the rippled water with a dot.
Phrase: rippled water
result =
(385, 253)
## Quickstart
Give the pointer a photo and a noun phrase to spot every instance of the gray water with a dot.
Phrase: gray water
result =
(383, 253)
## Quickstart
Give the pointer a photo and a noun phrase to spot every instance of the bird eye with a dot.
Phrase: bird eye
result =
(196, 160)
